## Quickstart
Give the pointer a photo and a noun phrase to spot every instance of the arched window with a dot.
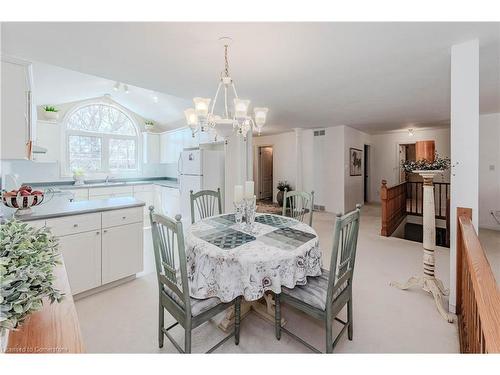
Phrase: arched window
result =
(101, 138)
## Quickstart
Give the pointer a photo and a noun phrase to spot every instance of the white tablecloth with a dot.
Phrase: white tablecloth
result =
(226, 261)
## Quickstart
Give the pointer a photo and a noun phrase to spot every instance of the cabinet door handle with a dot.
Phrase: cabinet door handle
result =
(75, 225)
(124, 217)
(105, 231)
(97, 233)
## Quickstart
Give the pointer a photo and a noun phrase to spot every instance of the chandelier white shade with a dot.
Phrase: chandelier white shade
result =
(203, 118)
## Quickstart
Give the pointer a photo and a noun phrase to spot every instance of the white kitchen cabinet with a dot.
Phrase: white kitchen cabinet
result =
(148, 197)
(170, 201)
(82, 256)
(37, 223)
(151, 148)
(173, 142)
(48, 136)
(17, 131)
(122, 251)
(66, 225)
(110, 192)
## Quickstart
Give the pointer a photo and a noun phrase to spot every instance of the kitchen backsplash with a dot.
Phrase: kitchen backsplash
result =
(30, 171)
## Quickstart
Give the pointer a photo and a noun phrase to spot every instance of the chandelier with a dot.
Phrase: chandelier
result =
(202, 117)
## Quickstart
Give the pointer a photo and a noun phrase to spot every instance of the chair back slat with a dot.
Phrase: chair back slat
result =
(296, 204)
(345, 240)
(207, 203)
(170, 256)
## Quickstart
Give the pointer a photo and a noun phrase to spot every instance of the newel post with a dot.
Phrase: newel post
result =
(467, 212)
(383, 199)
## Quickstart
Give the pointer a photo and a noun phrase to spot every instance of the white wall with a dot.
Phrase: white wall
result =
(354, 185)
(325, 164)
(489, 169)
(464, 142)
(283, 157)
(385, 155)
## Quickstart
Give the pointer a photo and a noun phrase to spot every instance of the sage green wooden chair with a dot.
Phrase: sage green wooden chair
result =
(206, 202)
(296, 204)
(171, 269)
(324, 296)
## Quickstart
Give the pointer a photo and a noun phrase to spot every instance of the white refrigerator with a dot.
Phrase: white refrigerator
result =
(199, 170)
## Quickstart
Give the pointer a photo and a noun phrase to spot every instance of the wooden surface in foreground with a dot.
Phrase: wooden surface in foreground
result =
(478, 295)
(54, 329)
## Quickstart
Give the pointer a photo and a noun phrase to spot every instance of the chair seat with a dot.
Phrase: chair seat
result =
(198, 306)
(315, 291)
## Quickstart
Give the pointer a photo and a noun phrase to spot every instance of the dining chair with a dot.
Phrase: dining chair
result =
(324, 296)
(171, 269)
(206, 202)
(296, 204)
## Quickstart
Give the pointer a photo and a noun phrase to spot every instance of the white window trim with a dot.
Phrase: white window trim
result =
(65, 170)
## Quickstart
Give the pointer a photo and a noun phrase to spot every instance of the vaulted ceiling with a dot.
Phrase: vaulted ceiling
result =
(372, 76)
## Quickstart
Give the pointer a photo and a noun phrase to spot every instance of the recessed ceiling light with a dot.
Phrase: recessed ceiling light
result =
(155, 99)
(116, 87)
(125, 88)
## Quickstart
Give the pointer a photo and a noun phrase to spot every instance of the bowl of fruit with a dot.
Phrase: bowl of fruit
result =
(23, 199)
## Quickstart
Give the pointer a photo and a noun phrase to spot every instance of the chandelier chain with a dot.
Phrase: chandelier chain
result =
(226, 62)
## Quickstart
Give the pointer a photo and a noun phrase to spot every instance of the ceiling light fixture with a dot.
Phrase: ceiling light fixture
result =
(125, 88)
(410, 132)
(155, 98)
(116, 87)
(202, 117)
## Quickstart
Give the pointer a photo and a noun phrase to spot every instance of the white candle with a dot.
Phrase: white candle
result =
(238, 193)
(249, 189)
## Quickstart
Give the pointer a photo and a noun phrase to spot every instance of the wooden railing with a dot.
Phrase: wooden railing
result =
(393, 206)
(406, 198)
(415, 201)
(478, 295)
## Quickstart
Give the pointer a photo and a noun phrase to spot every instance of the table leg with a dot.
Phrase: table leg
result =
(264, 307)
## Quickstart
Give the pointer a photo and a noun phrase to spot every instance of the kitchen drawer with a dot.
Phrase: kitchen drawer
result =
(64, 226)
(111, 190)
(143, 188)
(122, 217)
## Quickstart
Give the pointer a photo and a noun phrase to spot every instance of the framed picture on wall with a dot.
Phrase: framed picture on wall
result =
(355, 160)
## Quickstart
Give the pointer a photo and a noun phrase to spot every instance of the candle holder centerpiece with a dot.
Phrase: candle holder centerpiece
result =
(245, 205)
(428, 168)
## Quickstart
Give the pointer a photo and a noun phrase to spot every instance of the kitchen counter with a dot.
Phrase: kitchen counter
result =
(65, 185)
(60, 206)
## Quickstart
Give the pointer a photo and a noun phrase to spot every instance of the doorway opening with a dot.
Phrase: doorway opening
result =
(265, 167)
(406, 152)
(366, 174)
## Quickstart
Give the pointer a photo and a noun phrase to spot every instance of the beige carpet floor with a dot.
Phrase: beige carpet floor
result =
(386, 320)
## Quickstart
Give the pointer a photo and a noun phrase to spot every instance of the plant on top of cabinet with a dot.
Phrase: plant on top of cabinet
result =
(51, 113)
(149, 125)
(28, 257)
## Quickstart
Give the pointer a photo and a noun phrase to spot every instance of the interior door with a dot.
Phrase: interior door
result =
(402, 158)
(266, 172)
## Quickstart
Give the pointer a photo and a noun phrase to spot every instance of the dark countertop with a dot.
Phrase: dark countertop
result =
(60, 205)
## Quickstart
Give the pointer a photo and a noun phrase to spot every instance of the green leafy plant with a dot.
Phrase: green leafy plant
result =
(149, 123)
(49, 108)
(28, 256)
(282, 185)
(439, 164)
(78, 172)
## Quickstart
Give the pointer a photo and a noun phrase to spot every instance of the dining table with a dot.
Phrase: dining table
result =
(226, 259)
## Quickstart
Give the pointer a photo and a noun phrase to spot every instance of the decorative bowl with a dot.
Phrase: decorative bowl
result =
(23, 199)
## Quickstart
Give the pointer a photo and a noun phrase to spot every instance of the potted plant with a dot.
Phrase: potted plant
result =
(79, 176)
(149, 125)
(438, 164)
(51, 113)
(282, 185)
(28, 256)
